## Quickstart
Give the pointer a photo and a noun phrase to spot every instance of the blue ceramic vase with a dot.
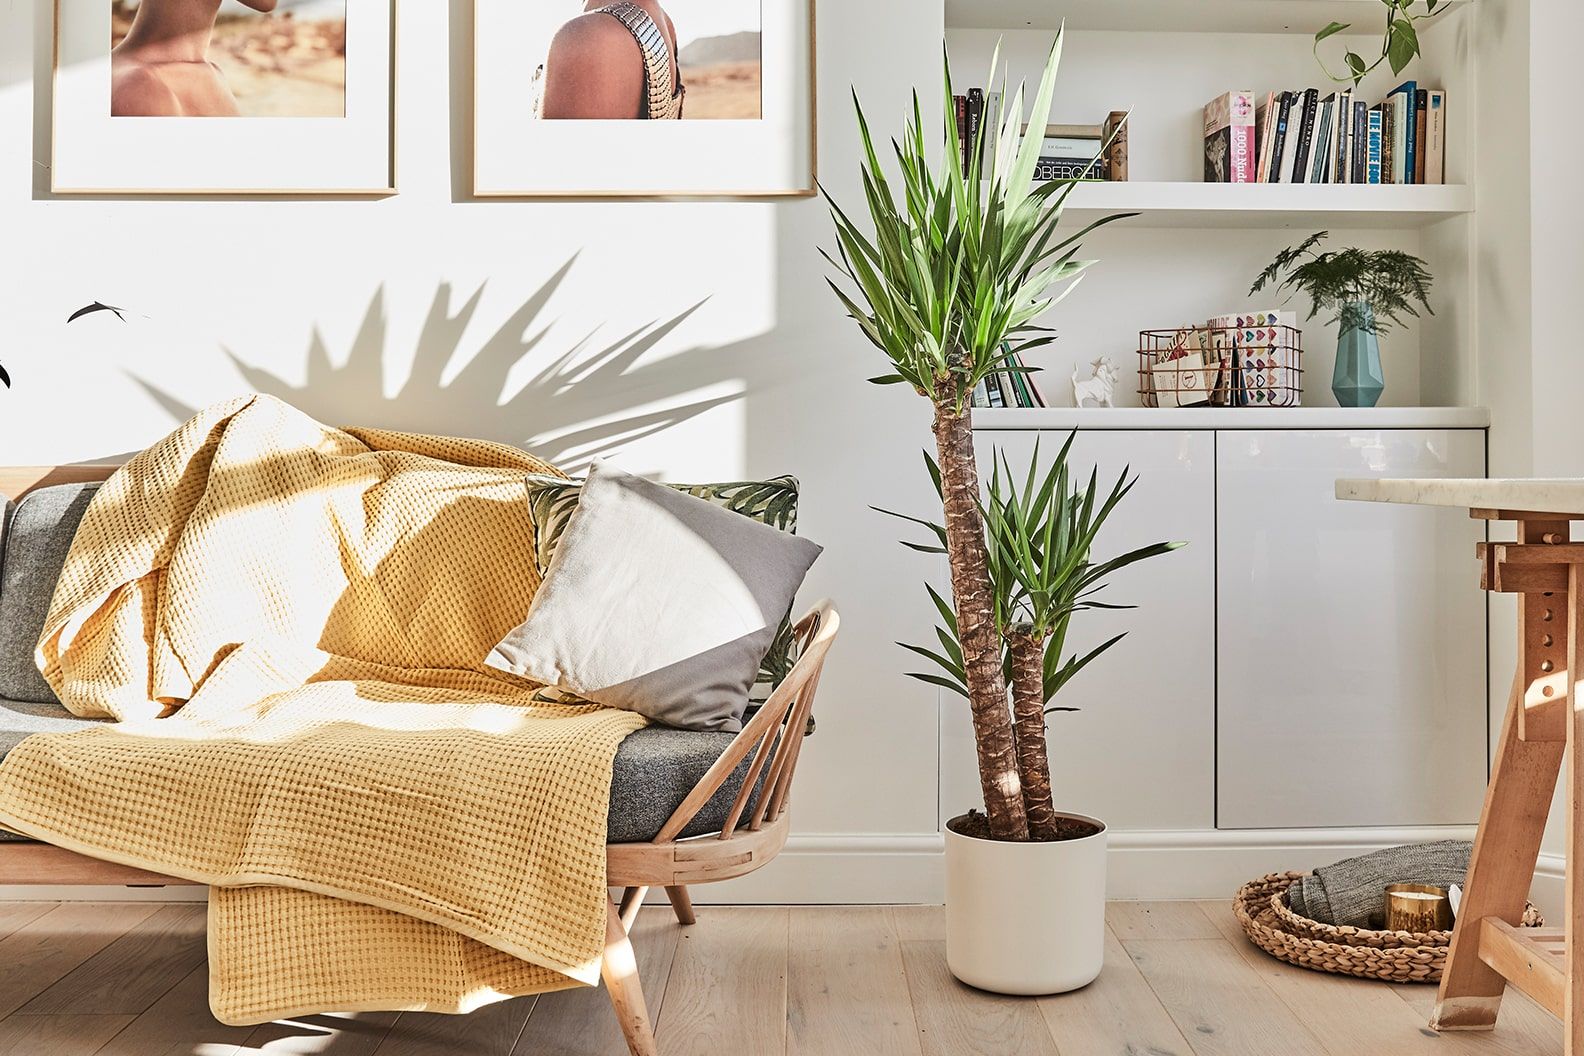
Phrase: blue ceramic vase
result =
(1357, 380)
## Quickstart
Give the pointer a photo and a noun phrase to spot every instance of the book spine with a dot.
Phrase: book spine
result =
(981, 394)
(975, 121)
(1047, 169)
(1344, 123)
(961, 102)
(1360, 142)
(991, 121)
(1435, 139)
(1279, 146)
(1402, 122)
(993, 392)
(1242, 170)
(1421, 121)
(1388, 142)
(1377, 145)
(1321, 141)
(1264, 134)
(1311, 104)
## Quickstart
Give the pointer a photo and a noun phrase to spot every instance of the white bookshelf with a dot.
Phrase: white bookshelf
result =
(1194, 248)
(1270, 205)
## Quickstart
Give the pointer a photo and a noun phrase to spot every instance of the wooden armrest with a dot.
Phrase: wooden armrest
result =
(775, 755)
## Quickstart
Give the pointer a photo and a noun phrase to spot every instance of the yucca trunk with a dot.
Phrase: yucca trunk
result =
(976, 624)
(1028, 722)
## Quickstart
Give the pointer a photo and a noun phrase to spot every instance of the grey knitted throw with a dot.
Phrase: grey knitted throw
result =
(1353, 891)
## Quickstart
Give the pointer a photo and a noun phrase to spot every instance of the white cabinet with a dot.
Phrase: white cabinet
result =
(1350, 637)
(1141, 751)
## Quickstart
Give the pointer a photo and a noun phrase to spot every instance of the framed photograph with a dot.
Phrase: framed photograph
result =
(643, 98)
(224, 97)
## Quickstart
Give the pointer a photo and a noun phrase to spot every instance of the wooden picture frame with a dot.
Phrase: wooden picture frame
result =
(772, 157)
(94, 151)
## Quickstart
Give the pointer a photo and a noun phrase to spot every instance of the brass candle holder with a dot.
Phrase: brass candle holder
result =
(1417, 908)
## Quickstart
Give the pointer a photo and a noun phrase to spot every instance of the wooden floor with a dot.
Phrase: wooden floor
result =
(129, 979)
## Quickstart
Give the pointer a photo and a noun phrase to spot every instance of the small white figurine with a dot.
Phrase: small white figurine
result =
(1097, 387)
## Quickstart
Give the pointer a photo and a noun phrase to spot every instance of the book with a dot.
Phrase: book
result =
(1402, 100)
(1344, 125)
(1360, 168)
(1305, 127)
(1113, 134)
(992, 124)
(1435, 138)
(1229, 138)
(1280, 144)
(1375, 147)
(961, 103)
(981, 394)
(1264, 134)
(993, 392)
(1320, 144)
(974, 123)
(1387, 141)
(1421, 116)
(1047, 169)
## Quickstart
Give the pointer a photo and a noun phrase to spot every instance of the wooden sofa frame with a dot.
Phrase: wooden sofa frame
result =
(754, 832)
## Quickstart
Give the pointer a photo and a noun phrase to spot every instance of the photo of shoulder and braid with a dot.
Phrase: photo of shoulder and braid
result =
(648, 60)
(227, 58)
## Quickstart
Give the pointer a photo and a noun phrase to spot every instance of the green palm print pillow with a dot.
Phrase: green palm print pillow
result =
(552, 501)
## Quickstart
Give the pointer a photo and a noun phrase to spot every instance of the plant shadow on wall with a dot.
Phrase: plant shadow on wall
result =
(587, 399)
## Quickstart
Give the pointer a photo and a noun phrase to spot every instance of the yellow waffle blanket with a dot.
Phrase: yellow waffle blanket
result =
(289, 623)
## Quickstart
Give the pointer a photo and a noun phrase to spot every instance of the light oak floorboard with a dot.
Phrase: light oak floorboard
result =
(1522, 1029)
(954, 1019)
(847, 990)
(179, 1024)
(1218, 1002)
(15, 914)
(728, 987)
(40, 952)
(133, 971)
(919, 923)
(334, 1034)
(1117, 1013)
(1133, 921)
(1348, 1015)
(580, 1022)
(68, 1035)
(488, 1031)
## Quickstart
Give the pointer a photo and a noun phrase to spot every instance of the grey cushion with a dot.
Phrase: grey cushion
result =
(656, 768)
(658, 602)
(39, 533)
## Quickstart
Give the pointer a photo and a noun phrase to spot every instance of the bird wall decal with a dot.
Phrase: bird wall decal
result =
(96, 306)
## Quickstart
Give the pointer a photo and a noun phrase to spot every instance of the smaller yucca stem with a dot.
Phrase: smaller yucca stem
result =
(1028, 719)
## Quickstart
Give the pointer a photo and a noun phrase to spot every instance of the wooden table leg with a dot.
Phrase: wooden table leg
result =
(1572, 1014)
(1522, 783)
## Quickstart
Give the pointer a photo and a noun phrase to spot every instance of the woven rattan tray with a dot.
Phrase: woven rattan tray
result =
(1395, 956)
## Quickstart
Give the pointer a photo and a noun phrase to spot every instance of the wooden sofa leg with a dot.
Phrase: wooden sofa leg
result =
(681, 904)
(620, 972)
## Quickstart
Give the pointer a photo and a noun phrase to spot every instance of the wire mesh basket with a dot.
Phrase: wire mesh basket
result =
(1253, 360)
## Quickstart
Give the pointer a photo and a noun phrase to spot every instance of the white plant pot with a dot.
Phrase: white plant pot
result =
(1026, 918)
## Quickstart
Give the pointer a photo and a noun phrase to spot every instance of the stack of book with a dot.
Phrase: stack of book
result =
(1015, 388)
(1067, 152)
(1302, 137)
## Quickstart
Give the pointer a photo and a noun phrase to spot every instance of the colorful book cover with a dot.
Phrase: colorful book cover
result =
(1404, 140)
(1375, 146)
(1229, 138)
(1265, 118)
(1421, 120)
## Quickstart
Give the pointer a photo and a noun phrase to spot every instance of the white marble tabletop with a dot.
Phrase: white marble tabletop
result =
(1559, 495)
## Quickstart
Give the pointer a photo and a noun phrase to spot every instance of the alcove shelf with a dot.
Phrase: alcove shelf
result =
(1270, 205)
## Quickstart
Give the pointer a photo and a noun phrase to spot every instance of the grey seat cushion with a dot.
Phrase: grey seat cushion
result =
(38, 534)
(656, 768)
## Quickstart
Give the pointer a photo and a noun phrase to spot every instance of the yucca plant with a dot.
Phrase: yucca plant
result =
(947, 279)
(1040, 543)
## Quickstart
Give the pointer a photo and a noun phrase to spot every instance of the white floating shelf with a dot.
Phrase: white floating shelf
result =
(1270, 205)
(1065, 418)
(1173, 16)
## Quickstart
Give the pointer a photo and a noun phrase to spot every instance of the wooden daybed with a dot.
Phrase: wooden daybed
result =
(753, 833)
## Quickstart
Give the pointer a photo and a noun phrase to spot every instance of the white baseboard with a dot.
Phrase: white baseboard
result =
(880, 868)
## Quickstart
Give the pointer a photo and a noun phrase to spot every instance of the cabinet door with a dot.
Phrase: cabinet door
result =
(1140, 752)
(1350, 636)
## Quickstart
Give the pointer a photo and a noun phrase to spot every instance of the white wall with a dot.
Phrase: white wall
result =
(713, 349)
